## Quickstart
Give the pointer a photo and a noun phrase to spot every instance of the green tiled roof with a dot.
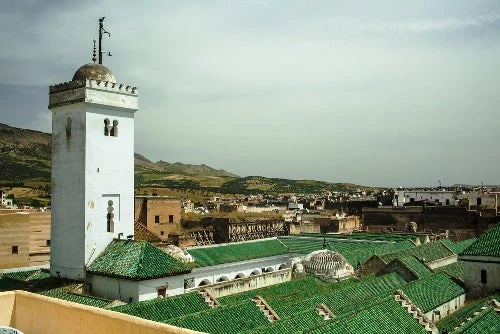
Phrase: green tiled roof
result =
(223, 319)
(353, 251)
(226, 253)
(27, 276)
(340, 299)
(432, 291)
(455, 269)
(40, 282)
(415, 266)
(461, 315)
(487, 321)
(66, 294)
(296, 289)
(299, 322)
(164, 309)
(390, 237)
(388, 317)
(135, 260)
(487, 245)
(428, 252)
(458, 247)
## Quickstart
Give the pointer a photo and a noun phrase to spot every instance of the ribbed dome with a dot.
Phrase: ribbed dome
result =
(94, 72)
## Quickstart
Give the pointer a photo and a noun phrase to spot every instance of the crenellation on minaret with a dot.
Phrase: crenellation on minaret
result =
(93, 91)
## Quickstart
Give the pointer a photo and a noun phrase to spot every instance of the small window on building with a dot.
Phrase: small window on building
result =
(483, 276)
(114, 129)
(109, 217)
(157, 219)
(162, 232)
(162, 292)
(15, 249)
(47, 243)
(447, 202)
(170, 218)
(130, 299)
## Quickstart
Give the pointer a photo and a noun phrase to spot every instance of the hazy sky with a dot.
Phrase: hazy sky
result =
(371, 92)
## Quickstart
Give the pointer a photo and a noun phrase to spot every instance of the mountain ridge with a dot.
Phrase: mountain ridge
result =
(25, 156)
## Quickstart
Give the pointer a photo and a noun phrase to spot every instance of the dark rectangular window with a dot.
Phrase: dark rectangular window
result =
(162, 233)
(478, 201)
(15, 250)
(170, 218)
(162, 292)
(157, 219)
(48, 243)
(483, 276)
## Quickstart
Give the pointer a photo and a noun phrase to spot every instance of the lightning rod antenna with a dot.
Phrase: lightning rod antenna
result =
(101, 32)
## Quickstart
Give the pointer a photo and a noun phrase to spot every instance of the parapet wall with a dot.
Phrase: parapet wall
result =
(33, 314)
(249, 283)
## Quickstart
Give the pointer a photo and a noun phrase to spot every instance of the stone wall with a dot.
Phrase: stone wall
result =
(14, 240)
(463, 223)
(160, 215)
(249, 283)
(473, 265)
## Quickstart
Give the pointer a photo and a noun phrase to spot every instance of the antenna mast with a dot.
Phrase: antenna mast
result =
(101, 32)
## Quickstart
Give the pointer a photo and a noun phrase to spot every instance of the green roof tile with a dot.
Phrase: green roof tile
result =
(223, 319)
(387, 317)
(415, 266)
(428, 252)
(66, 293)
(487, 245)
(458, 247)
(135, 260)
(432, 291)
(26, 276)
(487, 321)
(461, 315)
(455, 269)
(165, 309)
(226, 253)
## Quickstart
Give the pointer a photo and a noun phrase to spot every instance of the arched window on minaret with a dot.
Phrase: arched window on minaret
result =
(114, 129)
(107, 127)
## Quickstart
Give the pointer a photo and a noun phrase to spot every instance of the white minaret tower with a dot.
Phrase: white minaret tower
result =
(92, 167)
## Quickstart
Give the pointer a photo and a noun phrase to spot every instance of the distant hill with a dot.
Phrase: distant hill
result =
(180, 168)
(25, 155)
(254, 184)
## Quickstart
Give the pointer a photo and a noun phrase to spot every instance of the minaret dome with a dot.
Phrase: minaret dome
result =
(94, 72)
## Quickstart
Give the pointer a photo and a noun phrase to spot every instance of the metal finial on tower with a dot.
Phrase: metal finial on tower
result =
(94, 54)
(101, 32)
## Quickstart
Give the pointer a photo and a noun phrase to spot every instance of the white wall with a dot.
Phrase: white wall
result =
(250, 283)
(149, 289)
(109, 170)
(68, 195)
(231, 270)
(122, 289)
(442, 262)
(446, 308)
(89, 168)
(114, 288)
(472, 269)
(431, 196)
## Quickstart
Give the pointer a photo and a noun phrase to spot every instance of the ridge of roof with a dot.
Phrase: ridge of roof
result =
(486, 245)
